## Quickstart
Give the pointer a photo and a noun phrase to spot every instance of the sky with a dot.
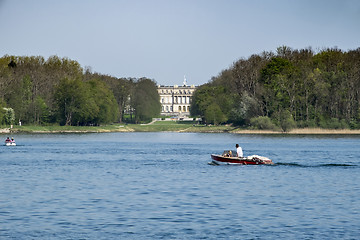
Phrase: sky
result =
(165, 40)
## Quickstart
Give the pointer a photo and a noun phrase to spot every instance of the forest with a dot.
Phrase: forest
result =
(291, 88)
(286, 89)
(39, 91)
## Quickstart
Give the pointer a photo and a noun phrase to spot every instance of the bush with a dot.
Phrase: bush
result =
(287, 121)
(333, 123)
(307, 124)
(9, 116)
(354, 124)
(263, 123)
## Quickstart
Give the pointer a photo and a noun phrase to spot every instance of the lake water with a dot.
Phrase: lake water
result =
(160, 186)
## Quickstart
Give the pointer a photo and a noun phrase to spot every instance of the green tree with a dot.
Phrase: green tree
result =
(280, 80)
(245, 109)
(71, 98)
(2, 112)
(208, 99)
(41, 111)
(21, 99)
(286, 120)
(263, 123)
(9, 116)
(145, 100)
(214, 115)
(121, 89)
(106, 106)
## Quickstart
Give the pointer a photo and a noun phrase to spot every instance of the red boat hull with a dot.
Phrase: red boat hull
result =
(239, 160)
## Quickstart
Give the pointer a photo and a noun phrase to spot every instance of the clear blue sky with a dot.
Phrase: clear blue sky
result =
(167, 39)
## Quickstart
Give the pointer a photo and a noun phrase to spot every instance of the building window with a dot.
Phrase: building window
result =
(179, 108)
(184, 109)
(188, 108)
(171, 108)
(167, 108)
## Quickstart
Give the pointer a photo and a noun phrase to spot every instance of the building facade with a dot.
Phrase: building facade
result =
(175, 100)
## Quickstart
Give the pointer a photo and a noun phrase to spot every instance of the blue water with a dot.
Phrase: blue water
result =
(159, 186)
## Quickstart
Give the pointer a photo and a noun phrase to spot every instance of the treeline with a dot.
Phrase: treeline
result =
(287, 89)
(58, 90)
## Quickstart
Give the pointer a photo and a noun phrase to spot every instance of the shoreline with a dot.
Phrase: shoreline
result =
(303, 131)
(192, 129)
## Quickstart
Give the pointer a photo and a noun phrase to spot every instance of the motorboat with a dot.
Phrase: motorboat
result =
(10, 143)
(228, 158)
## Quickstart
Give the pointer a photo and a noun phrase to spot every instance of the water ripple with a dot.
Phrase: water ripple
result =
(159, 186)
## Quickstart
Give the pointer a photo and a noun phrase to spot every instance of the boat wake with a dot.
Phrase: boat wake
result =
(213, 163)
(319, 165)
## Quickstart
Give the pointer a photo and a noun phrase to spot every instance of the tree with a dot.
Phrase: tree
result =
(286, 120)
(209, 99)
(214, 115)
(9, 116)
(105, 102)
(41, 111)
(245, 109)
(71, 99)
(21, 99)
(2, 112)
(145, 100)
(263, 123)
(281, 83)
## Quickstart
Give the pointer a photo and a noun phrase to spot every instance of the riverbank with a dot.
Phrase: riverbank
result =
(168, 127)
(305, 131)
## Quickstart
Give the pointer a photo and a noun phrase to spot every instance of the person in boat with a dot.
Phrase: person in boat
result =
(7, 140)
(239, 151)
(12, 140)
(229, 154)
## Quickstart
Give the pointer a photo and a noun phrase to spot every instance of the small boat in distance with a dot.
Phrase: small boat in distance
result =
(228, 158)
(10, 142)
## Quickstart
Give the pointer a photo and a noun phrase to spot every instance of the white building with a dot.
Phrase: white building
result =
(175, 100)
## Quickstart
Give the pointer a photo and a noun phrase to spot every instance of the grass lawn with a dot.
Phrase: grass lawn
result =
(167, 126)
(57, 128)
(160, 126)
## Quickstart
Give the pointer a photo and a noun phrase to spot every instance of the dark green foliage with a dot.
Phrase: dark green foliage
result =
(292, 88)
(57, 90)
(106, 107)
(3, 111)
(71, 99)
(262, 123)
(85, 103)
(41, 111)
(212, 102)
(145, 100)
(285, 120)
